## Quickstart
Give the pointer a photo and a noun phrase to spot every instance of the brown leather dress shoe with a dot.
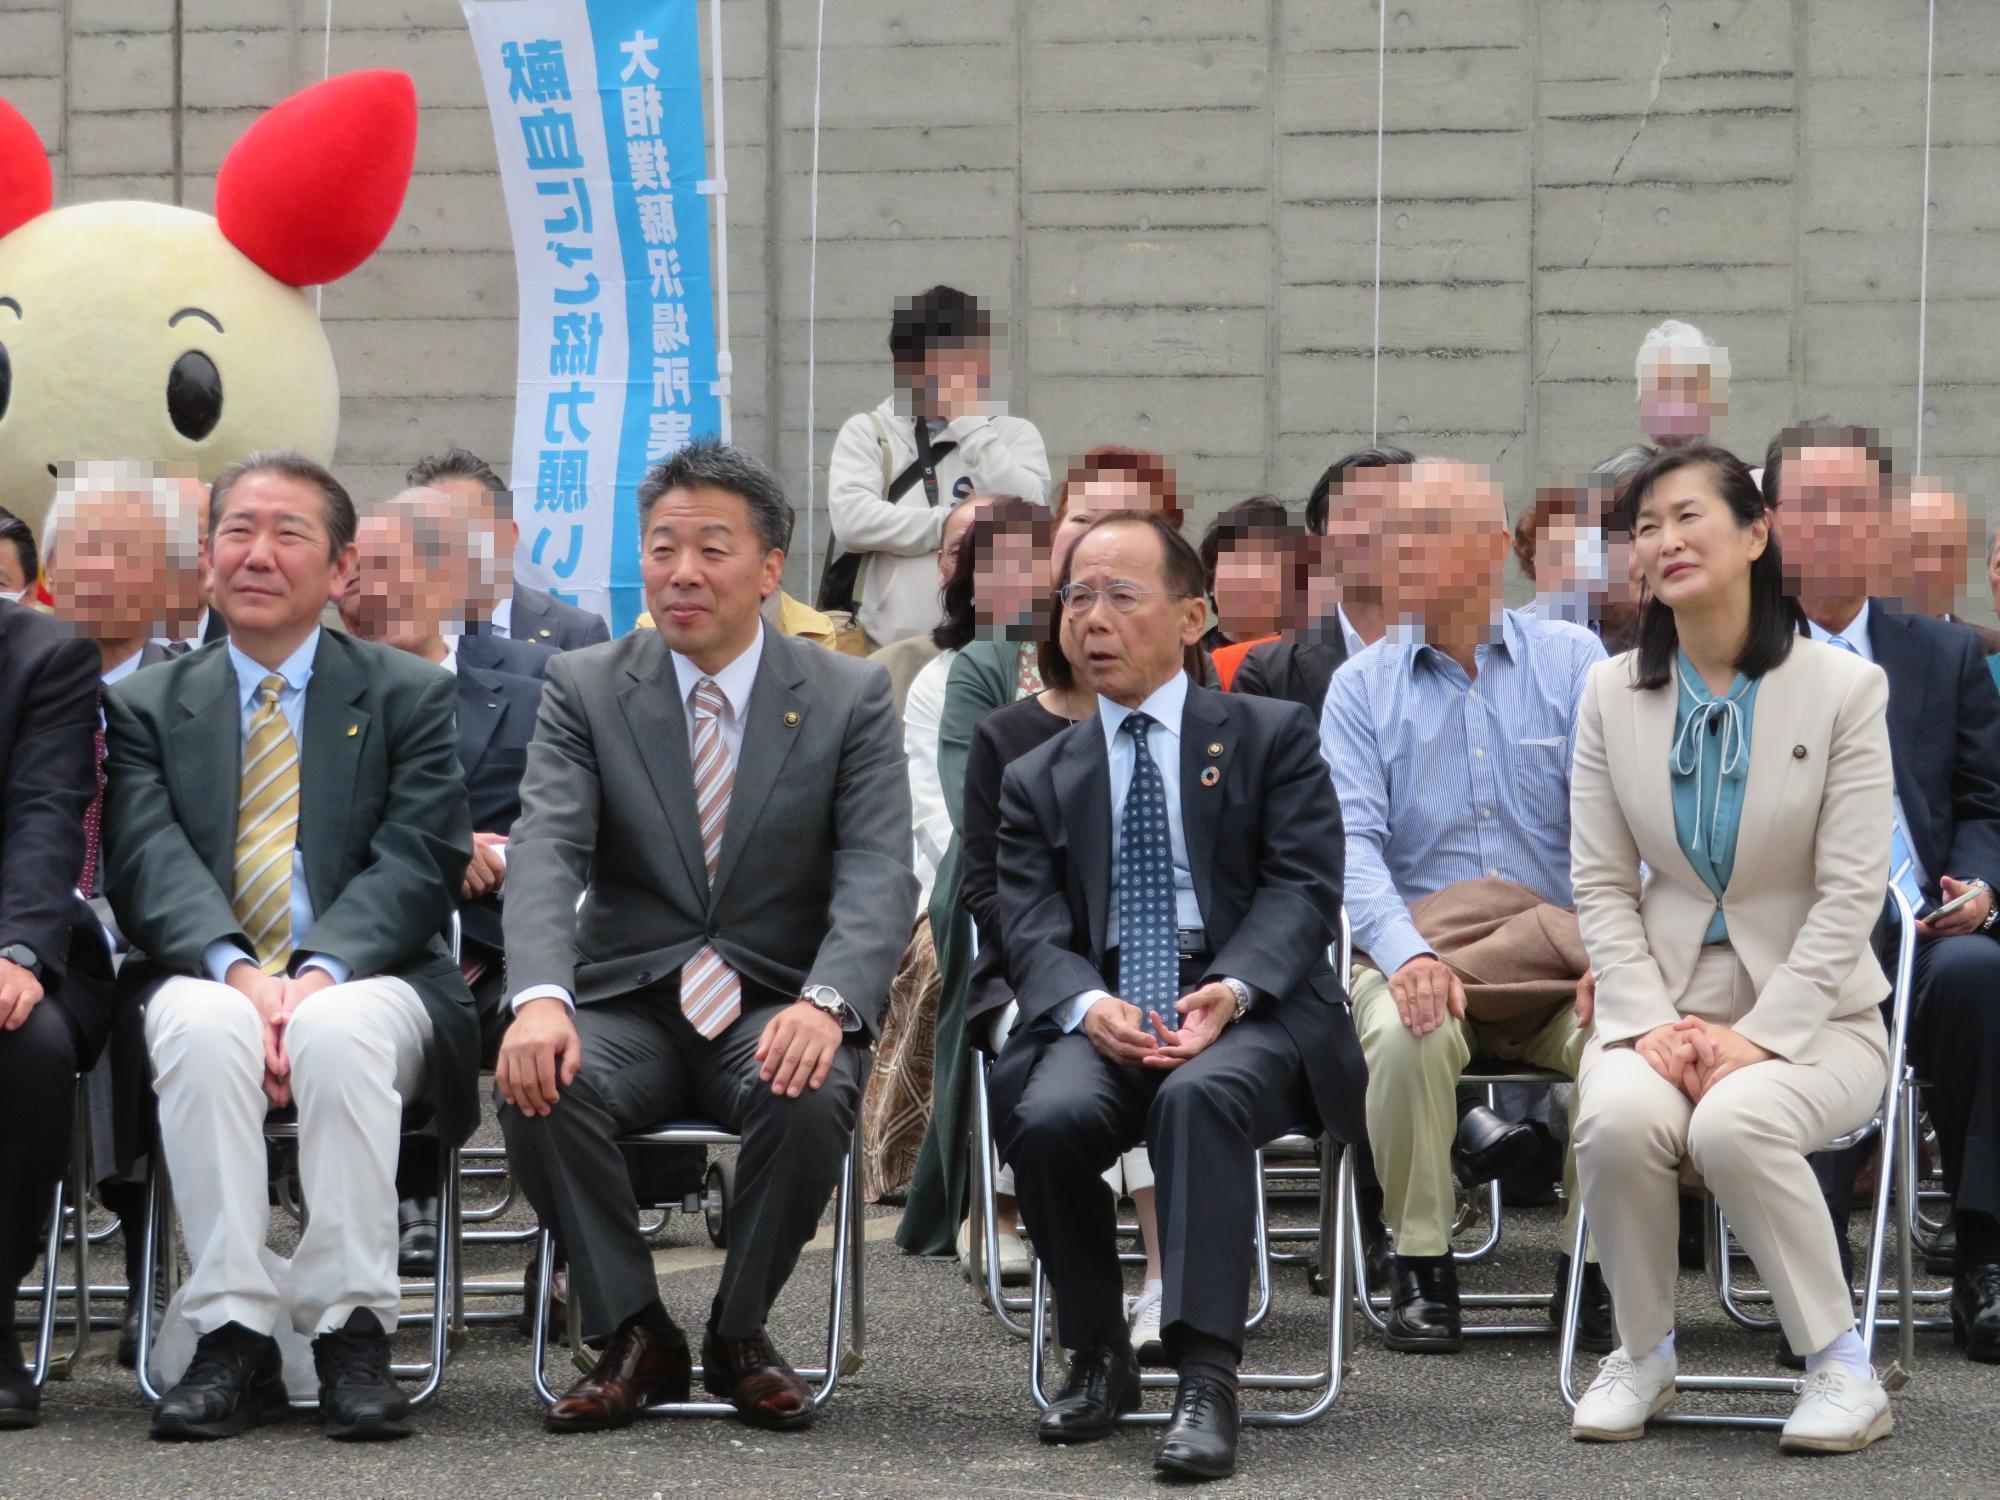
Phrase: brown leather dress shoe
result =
(637, 1369)
(751, 1373)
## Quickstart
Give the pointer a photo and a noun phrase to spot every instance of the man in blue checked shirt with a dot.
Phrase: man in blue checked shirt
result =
(1449, 742)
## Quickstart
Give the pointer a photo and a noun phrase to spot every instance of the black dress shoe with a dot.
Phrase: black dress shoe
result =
(1201, 1440)
(1103, 1385)
(1942, 1257)
(1595, 1330)
(20, 1400)
(1975, 1312)
(1425, 1316)
(417, 1236)
(1487, 1146)
(1536, 1184)
(235, 1381)
(359, 1399)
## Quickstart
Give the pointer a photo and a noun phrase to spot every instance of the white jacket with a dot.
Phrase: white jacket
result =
(898, 589)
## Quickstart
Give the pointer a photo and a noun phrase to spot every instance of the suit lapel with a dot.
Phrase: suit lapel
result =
(1207, 741)
(1082, 777)
(1779, 706)
(1653, 743)
(1903, 662)
(481, 706)
(651, 702)
(532, 618)
(330, 762)
(207, 741)
(772, 724)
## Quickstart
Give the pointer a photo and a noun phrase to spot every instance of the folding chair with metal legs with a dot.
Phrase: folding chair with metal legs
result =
(1889, 1121)
(71, 1186)
(1335, 1171)
(844, 1355)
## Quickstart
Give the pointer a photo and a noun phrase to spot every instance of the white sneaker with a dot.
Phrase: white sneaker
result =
(1146, 1325)
(1013, 1258)
(1838, 1412)
(1625, 1396)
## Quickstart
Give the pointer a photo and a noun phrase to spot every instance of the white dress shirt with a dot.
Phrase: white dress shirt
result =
(502, 622)
(297, 670)
(923, 726)
(123, 670)
(1348, 634)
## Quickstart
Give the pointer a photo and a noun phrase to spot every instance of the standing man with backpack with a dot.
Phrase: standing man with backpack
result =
(898, 471)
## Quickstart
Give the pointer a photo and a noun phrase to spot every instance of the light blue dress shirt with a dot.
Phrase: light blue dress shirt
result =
(297, 670)
(1443, 778)
(1707, 768)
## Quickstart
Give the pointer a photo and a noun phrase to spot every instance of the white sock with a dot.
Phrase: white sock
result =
(1665, 1348)
(1846, 1350)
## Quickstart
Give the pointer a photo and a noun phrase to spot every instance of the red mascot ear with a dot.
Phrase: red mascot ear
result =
(312, 189)
(26, 186)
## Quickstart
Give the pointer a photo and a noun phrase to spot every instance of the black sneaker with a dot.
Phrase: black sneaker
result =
(359, 1399)
(235, 1381)
(20, 1398)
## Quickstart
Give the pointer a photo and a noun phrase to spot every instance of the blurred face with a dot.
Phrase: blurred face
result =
(1009, 581)
(1100, 495)
(1570, 558)
(395, 599)
(1126, 655)
(1690, 546)
(473, 501)
(1354, 527)
(1940, 547)
(1445, 545)
(706, 574)
(1675, 403)
(1834, 522)
(1251, 579)
(114, 578)
(955, 526)
(1322, 580)
(950, 377)
(272, 557)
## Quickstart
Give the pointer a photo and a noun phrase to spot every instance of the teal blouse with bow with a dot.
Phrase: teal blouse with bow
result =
(1710, 762)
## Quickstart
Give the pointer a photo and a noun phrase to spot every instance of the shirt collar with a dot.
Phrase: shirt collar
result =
(1349, 636)
(735, 680)
(1164, 705)
(125, 668)
(296, 669)
(1513, 633)
(503, 618)
(1856, 633)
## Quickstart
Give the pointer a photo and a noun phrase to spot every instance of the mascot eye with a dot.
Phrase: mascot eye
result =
(194, 395)
(6, 379)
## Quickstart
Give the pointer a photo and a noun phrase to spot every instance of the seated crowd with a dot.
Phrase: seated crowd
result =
(366, 818)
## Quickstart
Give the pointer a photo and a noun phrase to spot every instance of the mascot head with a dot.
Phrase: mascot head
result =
(146, 332)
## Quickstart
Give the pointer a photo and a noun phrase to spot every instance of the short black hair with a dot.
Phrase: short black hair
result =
(1774, 618)
(341, 521)
(462, 463)
(1824, 432)
(943, 315)
(1260, 518)
(709, 464)
(1320, 502)
(14, 531)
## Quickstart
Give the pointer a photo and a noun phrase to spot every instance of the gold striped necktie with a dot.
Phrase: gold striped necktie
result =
(267, 824)
(711, 993)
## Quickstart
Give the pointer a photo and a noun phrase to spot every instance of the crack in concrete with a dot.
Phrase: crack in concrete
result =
(1645, 116)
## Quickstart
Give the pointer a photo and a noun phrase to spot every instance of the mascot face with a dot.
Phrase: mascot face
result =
(143, 331)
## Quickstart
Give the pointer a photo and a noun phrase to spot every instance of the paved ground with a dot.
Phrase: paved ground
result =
(941, 1410)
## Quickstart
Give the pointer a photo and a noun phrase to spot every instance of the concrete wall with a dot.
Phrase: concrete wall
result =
(1171, 203)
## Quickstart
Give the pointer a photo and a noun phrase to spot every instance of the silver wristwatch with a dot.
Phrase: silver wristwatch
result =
(825, 997)
(1241, 991)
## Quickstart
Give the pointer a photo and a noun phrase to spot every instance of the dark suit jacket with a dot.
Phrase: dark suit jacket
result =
(48, 727)
(813, 884)
(1296, 670)
(544, 619)
(496, 719)
(382, 824)
(1944, 738)
(1266, 849)
(492, 653)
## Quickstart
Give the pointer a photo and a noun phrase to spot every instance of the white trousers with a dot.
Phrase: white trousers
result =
(357, 1053)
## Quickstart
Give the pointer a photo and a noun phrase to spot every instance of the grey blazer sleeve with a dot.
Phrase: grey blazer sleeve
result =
(874, 899)
(550, 850)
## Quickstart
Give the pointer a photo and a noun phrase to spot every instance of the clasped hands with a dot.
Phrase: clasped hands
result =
(1695, 1055)
(277, 999)
(1118, 1031)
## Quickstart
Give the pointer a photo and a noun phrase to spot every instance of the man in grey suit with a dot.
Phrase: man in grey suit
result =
(747, 906)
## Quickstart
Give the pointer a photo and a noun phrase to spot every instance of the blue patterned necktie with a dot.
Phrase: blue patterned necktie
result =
(1148, 939)
(1902, 863)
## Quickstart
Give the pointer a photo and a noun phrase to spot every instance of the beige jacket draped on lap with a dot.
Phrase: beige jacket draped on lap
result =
(1812, 850)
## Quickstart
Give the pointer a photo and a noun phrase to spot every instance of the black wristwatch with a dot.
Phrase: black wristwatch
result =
(23, 955)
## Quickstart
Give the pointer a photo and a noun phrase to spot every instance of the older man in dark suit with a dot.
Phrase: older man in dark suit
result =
(738, 808)
(1170, 875)
(285, 832)
(51, 1019)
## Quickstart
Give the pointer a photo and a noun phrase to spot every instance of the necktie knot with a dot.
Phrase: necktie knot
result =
(269, 689)
(1843, 643)
(1136, 725)
(708, 700)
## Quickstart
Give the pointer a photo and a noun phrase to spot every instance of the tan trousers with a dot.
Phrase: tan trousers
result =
(1413, 1110)
(1748, 1138)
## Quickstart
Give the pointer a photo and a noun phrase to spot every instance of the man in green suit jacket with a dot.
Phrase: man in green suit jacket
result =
(286, 831)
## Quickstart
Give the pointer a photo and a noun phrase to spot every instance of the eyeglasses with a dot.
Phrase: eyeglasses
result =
(1078, 599)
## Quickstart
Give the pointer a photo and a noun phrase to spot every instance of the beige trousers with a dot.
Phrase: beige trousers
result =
(1413, 1110)
(1748, 1138)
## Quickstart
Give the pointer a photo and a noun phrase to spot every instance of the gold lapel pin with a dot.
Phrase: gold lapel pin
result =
(544, 631)
(1215, 749)
(791, 721)
(1210, 776)
(353, 730)
(1798, 752)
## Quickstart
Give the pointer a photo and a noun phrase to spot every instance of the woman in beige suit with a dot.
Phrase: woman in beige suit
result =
(1737, 1020)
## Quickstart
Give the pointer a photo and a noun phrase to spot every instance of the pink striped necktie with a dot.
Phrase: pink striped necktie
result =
(711, 994)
